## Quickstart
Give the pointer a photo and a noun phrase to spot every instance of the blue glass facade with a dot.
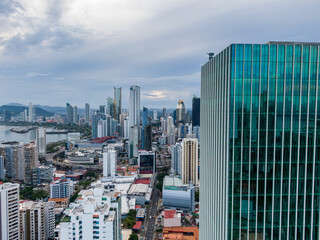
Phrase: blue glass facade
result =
(260, 138)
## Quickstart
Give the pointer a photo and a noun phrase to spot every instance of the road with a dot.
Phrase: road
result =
(153, 212)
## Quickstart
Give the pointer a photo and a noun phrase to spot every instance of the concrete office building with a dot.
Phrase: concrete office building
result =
(110, 156)
(117, 102)
(134, 106)
(42, 141)
(9, 211)
(190, 159)
(177, 195)
(260, 142)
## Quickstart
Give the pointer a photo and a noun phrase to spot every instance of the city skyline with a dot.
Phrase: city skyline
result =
(59, 52)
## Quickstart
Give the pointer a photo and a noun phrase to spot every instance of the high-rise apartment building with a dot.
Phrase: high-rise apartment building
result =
(164, 112)
(117, 102)
(9, 211)
(61, 188)
(110, 156)
(134, 103)
(96, 117)
(170, 125)
(69, 110)
(37, 220)
(190, 160)
(42, 174)
(195, 111)
(133, 141)
(155, 115)
(87, 113)
(42, 140)
(30, 161)
(32, 113)
(110, 106)
(260, 142)
(176, 158)
(75, 115)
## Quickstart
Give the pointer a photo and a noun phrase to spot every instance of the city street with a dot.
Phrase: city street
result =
(153, 213)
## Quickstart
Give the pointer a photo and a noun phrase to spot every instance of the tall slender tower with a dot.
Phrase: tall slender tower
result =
(117, 102)
(32, 113)
(87, 109)
(134, 110)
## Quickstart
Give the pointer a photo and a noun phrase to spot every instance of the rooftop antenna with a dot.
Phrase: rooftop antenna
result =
(210, 55)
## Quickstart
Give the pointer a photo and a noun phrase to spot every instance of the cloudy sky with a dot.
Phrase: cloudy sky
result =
(57, 51)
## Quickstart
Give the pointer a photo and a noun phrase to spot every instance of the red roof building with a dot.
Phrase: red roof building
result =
(137, 226)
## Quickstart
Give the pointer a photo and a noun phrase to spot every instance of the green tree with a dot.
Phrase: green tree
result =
(134, 236)
(196, 196)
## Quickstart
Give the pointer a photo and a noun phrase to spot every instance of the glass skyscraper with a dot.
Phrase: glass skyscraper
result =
(260, 163)
(117, 102)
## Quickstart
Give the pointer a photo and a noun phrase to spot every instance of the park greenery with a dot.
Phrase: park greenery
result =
(29, 194)
(130, 220)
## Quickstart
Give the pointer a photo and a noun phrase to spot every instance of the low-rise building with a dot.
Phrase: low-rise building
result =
(177, 195)
(181, 233)
(171, 218)
(141, 192)
(60, 202)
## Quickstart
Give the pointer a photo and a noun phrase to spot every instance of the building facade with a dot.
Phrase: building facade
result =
(190, 160)
(134, 106)
(9, 211)
(177, 195)
(42, 140)
(117, 102)
(195, 111)
(87, 113)
(260, 142)
(110, 156)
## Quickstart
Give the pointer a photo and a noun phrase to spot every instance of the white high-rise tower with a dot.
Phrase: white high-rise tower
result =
(9, 211)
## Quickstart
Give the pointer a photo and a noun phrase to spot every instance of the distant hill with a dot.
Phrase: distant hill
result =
(16, 110)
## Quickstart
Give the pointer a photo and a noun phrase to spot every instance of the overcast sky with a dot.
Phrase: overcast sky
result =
(58, 51)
